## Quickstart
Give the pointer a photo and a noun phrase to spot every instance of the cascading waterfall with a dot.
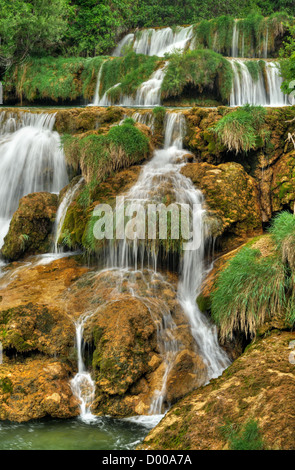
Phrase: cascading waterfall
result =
(32, 160)
(156, 42)
(123, 45)
(265, 91)
(127, 257)
(62, 212)
(147, 118)
(148, 93)
(162, 171)
(82, 385)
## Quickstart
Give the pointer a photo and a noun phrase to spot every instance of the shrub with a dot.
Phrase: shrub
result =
(242, 130)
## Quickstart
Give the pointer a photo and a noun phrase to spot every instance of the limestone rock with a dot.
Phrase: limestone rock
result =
(30, 226)
(231, 195)
(260, 385)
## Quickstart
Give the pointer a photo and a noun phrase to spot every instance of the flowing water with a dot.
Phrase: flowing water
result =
(156, 42)
(82, 385)
(32, 160)
(148, 93)
(264, 91)
(62, 212)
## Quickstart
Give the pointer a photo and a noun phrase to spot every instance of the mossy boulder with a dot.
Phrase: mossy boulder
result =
(283, 183)
(31, 226)
(32, 329)
(36, 389)
(232, 195)
(258, 386)
(125, 332)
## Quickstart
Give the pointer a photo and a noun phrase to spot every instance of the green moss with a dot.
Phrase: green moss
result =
(129, 71)
(202, 69)
(6, 385)
(246, 437)
(54, 78)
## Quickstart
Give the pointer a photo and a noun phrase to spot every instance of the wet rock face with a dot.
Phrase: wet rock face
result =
(232, 196)
(135, 337)
(260, 385)
(283, 183)
(31, 226)
(130, 330)
(34, 389)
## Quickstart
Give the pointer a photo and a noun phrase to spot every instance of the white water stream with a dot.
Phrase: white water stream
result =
(32, 160)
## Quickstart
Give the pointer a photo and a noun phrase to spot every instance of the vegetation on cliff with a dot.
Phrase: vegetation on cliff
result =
(254, 288)
(243, 129)
(203, 70)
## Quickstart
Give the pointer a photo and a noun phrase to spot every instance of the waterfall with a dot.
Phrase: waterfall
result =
(147, 118)
(96, 98)
(82, 385)
(62, 212)
(235, 41)
(161, 172)
(156, 42)
(1, 93)
(32, 160)
(148, 93)
(123, 44)
(265, 91)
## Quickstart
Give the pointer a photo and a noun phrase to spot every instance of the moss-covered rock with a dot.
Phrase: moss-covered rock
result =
(232, 195)
(36, 389)
(283, 183)
(31, 226)
(258, 386)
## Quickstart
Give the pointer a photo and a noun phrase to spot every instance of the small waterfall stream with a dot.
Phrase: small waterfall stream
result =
(62, 212)
(82, 385)
(32, 160)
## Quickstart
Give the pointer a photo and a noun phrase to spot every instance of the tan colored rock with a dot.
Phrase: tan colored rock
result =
(260, 385)
(30, 226)
(231, 196)
(28, 391)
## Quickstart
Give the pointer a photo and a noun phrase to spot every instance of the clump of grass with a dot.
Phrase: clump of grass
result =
(247, 437)
(253, 288)
(250, 290)
(243, 130)
(202, 69)
(100, 155)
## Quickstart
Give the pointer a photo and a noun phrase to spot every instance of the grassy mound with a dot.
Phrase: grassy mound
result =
(243, 130)
(202, 69)
(254, 288)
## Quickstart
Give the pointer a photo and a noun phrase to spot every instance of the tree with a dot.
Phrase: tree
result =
(30, 27)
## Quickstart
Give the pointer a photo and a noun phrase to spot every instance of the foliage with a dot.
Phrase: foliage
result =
(246, 437)
(31, 27)
(130, 71)
(248, 291)
(243, 130)
(253, 288)
(54, 78)
(99, 155)
(88, 27)
(202, 69)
